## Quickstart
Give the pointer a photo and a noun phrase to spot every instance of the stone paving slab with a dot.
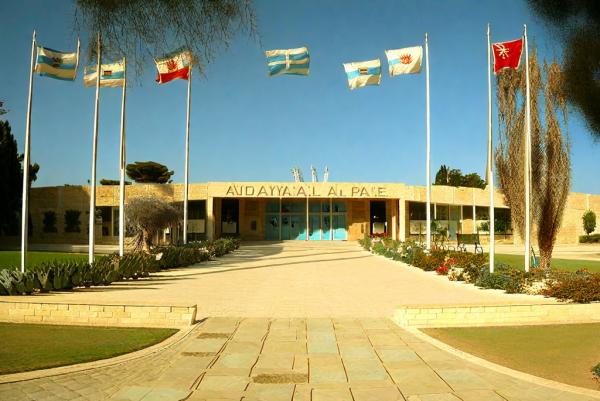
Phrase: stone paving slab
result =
(405, 369)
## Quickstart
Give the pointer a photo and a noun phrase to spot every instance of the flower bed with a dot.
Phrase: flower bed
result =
(581, 286)
(66, 275)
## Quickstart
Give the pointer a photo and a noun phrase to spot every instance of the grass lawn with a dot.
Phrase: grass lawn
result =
(31, 346)
(560, 264)
(13, 258)
(565, 353)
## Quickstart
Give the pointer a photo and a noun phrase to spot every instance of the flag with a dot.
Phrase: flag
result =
(288, 61)
(507, 54)
(55, 64)
(405, 61)
(174, 65)
(112, 75)
(363, 73)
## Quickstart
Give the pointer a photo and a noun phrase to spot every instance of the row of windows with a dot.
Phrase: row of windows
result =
(417, 211)
(314, 206)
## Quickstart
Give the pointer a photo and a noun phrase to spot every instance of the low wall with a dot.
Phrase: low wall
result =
(496, 315)
(97, 315)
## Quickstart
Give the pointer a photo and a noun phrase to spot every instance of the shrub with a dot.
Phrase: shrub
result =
(589, 222)
(14, 282)
(581, 286)
(594, 238)
(442, 270)
(365, 242)
(596, 372)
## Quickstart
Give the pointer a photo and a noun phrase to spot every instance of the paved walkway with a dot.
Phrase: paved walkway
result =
(291, 360)
(293, 279)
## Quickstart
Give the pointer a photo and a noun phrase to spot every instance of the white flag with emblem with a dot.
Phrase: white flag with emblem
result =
(405, 61)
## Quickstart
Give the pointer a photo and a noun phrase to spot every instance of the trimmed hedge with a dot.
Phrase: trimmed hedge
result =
(61, 275)
(589, 239)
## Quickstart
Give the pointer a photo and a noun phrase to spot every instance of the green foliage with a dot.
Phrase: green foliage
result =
(455, 178)
(106, 181)
(581, 286)
(596, 371)
(10, 181)
(365, 242)
(589, 222)
(594, 238)
(49, 222)
(72, 222)
(149, 172)
(14, 282)
(147, 217)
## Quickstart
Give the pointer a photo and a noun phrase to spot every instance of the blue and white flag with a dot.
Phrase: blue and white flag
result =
(288, 61)
(112, 75)
(55, 64)
(363, 73)
(405, 61)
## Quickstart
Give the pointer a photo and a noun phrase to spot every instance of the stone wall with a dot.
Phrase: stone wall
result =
(97, 315)
(496, 315)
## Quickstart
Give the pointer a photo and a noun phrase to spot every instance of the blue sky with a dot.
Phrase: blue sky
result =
(246, 126)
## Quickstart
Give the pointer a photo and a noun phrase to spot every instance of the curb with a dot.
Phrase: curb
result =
(503, 369)
(173, 340)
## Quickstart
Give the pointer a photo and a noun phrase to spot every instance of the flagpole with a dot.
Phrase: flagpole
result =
(25, 197)
(490, 166)
(94, 154)
(527, 155)
(122, 167)
(428, 231)
(187, 159)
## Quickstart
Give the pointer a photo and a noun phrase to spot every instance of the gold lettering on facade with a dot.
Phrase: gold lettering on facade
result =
(306, 190)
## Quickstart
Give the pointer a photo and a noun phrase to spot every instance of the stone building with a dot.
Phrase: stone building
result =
(283, 211)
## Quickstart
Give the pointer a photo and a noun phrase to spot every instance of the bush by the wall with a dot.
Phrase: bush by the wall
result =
(589, 239)
(581, 286)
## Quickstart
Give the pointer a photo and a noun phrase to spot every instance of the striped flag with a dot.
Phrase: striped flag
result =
(112, 75)
(363, 73)
(174, 65)
(405, 61)
(288, 61)
(56, 64)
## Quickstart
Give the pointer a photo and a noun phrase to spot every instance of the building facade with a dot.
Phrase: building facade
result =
(291, 211)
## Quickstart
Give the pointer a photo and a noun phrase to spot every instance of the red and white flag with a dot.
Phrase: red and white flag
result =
(507, 54)
(174, 65)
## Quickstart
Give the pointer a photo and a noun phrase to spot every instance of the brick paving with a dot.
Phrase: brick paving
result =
(283, 325)
(293, 279)
(290, 359)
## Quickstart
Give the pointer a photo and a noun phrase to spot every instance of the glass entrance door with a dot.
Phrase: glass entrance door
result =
(297, 227)
(339, 227)
(315, 227)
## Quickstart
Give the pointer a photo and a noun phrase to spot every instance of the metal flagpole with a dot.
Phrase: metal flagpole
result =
(94, 154)
(25, 197)
(490, 166)
(527, 155)
(187, 160)
(122, 166)
(428, 230)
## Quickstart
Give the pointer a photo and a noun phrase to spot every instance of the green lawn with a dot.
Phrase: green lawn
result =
(565, 353)
(13, 258)
(30, 346)
(560, 264)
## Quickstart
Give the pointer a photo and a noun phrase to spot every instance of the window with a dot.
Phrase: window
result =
(467, 212)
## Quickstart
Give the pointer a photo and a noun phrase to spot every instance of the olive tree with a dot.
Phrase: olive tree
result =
(146, 217)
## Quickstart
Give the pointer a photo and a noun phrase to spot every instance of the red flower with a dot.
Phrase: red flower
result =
(442, 270)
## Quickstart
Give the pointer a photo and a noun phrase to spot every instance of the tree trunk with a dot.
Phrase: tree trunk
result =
(546, 257)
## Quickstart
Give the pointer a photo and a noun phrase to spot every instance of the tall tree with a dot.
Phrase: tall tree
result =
(577, 23)
(550, 167)
(455, 178)
(144, 29)
(10, 181)
(149, 172)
